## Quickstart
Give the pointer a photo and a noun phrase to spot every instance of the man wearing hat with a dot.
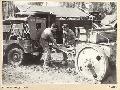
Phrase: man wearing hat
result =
(68, 36)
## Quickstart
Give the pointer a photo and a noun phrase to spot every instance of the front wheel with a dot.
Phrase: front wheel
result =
(15, 56)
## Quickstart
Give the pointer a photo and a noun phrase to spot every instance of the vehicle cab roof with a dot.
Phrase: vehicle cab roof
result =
(33, 13)
(14, 20)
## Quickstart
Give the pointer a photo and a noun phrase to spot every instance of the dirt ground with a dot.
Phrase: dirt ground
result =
(56, 73)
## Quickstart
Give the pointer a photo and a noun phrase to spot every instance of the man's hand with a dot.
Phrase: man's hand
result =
(56, 46)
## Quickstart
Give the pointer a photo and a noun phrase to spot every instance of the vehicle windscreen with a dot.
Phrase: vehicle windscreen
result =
(14, 31)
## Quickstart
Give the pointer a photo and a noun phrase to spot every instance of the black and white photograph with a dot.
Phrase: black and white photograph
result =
(50, 42)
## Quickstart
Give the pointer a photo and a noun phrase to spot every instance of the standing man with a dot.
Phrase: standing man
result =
(45, 38)
(68, 36)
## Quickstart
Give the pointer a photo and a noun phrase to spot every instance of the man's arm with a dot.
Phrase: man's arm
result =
(64, 37)
(72, 33)
(53, 40)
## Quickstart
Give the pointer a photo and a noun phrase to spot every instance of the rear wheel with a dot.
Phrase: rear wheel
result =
(92, 63)
(15, 56)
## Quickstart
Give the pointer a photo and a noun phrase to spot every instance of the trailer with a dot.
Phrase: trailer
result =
(93, 59)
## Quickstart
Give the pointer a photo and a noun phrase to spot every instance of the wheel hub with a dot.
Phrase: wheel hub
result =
(16, 57)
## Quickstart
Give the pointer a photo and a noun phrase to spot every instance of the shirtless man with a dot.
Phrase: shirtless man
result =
(45, 38)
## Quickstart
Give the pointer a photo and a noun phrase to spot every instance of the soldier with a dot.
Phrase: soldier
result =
(45, 38)
(68, 36)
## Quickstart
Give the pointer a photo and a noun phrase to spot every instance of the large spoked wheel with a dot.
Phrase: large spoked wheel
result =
(15, 56)
(92, 63)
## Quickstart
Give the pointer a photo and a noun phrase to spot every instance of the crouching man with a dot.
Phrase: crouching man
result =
(68, 36)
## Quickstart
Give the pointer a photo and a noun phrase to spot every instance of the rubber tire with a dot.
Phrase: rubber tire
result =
(10, 54)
